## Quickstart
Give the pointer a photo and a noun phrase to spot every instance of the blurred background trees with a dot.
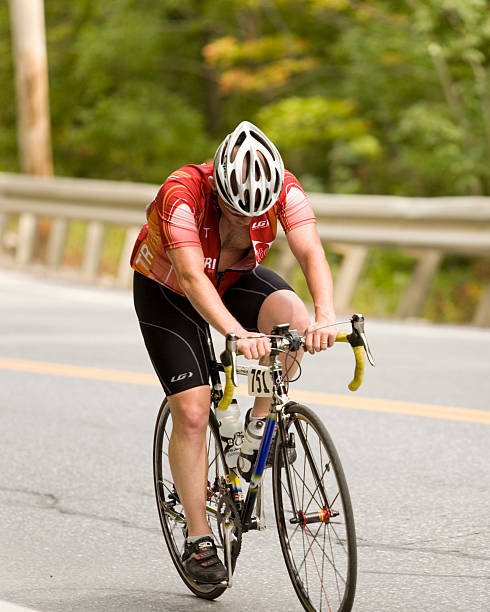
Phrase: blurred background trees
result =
(362, 97)
(385, 96)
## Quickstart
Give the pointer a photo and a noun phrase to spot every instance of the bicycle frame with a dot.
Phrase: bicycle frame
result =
(278, 401)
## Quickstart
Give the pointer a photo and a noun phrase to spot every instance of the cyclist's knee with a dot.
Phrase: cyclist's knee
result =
(190, 411)
(283, 306)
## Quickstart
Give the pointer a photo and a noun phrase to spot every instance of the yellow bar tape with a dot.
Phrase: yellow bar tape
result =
(225, 401)
(355, 383)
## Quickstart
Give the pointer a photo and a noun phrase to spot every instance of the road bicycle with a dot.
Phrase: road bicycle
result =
(312, 505)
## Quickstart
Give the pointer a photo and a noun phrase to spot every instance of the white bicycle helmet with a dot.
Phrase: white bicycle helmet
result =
(248, 171)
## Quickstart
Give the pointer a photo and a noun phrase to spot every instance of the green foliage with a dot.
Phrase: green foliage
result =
(361, 96)
(457, 289)
(74, 245)
(385, 276)
(8, 143)
(135, 135)
(303, 126)
(368, 97)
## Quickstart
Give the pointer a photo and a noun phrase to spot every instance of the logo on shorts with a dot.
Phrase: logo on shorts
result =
(182, 376)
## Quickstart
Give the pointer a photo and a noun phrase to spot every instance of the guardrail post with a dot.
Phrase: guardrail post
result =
(482, 315)
(348, 274)
(93, 250)
(125, 272)
(413, 298)
(3, 227)
(56, 242)
(26, 239)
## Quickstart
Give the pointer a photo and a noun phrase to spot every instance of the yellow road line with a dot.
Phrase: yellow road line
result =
(74, 371)
(355, 402)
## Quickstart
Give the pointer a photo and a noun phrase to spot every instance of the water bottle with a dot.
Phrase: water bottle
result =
(231, 432)
(251, 443)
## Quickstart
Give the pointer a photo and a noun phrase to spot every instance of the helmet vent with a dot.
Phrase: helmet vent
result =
(277, 184)
(233, 183)
(246, 197)
(246, 166)
(240, 139)
(266, 167)
(262, 142)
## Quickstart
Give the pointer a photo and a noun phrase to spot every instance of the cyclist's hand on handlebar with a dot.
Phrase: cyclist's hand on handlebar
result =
(319, 338)
(253, 346)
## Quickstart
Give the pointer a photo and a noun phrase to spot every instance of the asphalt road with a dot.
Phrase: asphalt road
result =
(79, 529)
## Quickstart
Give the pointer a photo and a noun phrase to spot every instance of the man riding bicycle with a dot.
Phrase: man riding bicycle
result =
(197, 261)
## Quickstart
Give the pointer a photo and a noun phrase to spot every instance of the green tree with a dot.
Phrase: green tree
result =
(362, 96)
(8, 141)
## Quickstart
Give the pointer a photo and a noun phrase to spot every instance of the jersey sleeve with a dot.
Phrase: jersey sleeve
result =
(294, 208)
(179, 212)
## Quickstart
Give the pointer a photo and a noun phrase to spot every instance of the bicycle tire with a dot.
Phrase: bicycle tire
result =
(309, 485)
(170, 510)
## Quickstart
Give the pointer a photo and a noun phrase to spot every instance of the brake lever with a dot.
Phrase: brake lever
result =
(358, 336)
(231, 350)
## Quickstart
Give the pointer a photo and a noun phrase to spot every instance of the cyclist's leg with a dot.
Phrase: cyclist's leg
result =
(260, 300)
(188, 456)
(281, 306)
(175, 337)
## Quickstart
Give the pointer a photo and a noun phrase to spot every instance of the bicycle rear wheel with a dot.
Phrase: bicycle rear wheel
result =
(172, 516)
(314, 515)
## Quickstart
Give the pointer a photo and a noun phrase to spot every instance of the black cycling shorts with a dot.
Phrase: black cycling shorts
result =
(175, 333)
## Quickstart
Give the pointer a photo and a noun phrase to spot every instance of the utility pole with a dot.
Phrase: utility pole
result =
(31, 81)
(33, 124)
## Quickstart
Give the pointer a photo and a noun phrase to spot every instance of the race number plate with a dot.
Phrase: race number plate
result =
(259, 381)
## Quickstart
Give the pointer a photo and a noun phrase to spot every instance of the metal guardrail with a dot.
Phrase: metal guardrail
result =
(349, 224)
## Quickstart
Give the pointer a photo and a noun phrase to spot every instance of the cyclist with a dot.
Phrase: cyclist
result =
(197, 261)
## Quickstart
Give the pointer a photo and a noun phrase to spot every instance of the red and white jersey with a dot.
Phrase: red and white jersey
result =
(185, 212)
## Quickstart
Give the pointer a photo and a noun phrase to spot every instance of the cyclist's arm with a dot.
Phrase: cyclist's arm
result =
(188, 263)
(308, 250)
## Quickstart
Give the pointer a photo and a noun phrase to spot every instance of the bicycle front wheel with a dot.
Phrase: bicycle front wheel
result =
(170, 509)
(314, 513)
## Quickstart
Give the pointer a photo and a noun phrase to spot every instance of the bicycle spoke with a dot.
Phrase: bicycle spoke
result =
(166, 487)
(320, 505)
(331, 551)
(303, 435)
(334, 567)
(315, 545)
(323, 565)
(339, 540)
(334, 500)
(322, 584)
(312, 494)
(307, 549)
(304, 471)
(314, 541)
(213, 461)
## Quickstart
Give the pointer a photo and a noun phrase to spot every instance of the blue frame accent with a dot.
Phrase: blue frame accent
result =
(264, 449)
